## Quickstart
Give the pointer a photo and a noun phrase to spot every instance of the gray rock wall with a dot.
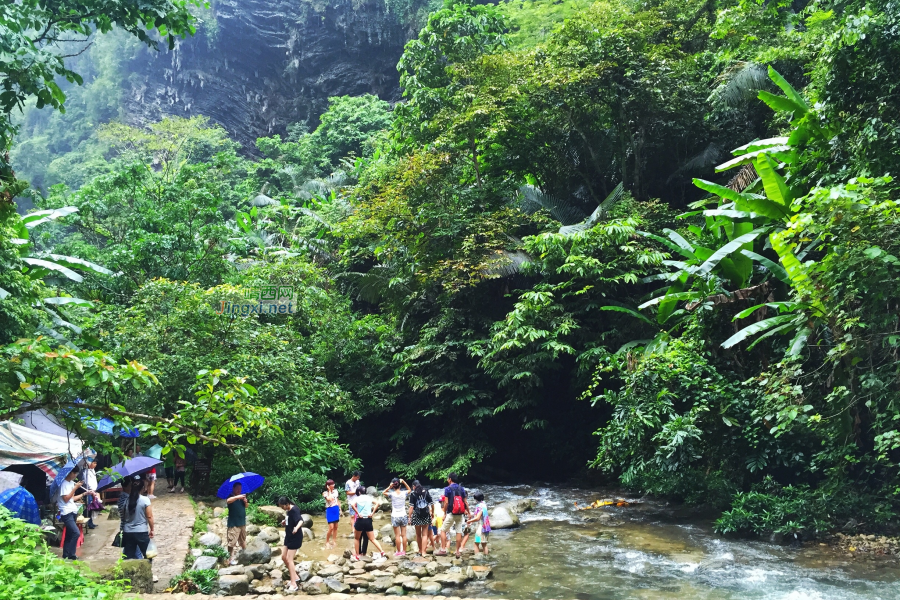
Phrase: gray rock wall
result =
(256, 66)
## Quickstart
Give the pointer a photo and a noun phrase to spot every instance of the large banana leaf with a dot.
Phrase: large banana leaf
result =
(788, 89)
(774, 268)
(34, 219)
(760, 145)
(52, 266)
(758, 327)
(78, 263)
(774, 184)
(729, 248)
(782, 153)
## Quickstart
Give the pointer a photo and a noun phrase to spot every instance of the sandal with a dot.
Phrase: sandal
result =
(458, 555)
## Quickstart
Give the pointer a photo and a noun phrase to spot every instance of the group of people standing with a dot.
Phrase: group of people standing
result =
(412, 506)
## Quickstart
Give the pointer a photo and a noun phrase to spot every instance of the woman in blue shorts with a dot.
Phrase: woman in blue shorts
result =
(332, 513)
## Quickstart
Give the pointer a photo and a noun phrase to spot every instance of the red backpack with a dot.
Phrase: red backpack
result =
(455, 500)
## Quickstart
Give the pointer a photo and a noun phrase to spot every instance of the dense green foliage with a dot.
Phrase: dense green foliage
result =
(658, 239)
(29, 571)
(300, 486)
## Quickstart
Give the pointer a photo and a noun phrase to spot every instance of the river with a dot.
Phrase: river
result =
(654, 551)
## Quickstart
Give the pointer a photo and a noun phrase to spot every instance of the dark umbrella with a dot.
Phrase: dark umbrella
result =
(132, 466)
(249, 482)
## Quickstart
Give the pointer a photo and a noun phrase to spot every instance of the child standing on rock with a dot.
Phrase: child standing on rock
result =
(482, 524)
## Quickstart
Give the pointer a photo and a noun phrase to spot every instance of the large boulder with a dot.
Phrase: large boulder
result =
(272, 511)
(204, 563)
(316, 585)
(218, 512)
(519, 506)
(329, 571)
(252, 529)
(430, 588)
(234, 585)
(386, 531)
(306, 520)
(139, 574)
(381, 584)
(269, 535)
(451, 579)
(503, 518)
(209, 539)
(372, 491)
(257, 552)
(336, 587)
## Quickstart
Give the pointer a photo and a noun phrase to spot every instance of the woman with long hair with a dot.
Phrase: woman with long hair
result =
(293, 539)
(421, 509)
(137, 520)
(399, 519)
(332, 513)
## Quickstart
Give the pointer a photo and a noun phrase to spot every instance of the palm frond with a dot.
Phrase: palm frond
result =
(607, 205)
(742, 82)
(701, 161)
(532, 199)
(263, 200)
(505, 264)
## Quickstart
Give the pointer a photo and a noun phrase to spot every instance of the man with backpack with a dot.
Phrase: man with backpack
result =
(456, 511)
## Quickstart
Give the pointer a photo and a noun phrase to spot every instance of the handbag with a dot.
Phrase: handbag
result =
(117, 541)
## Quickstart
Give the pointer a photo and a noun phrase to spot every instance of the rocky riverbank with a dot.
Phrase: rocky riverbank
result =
(261, 570)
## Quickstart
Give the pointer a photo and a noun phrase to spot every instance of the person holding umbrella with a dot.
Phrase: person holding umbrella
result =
(237, 521)
(68, 511)
(234, 491)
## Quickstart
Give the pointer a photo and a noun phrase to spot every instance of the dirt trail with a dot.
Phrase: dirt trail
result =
(174, 520)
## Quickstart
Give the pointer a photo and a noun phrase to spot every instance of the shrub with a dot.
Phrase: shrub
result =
(770, 508)
(301, 486)
(194, 582)
(29, 570)
(257, 517)
(217, 551)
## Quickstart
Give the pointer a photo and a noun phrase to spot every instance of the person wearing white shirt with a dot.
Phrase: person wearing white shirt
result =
(68, 511)
(90, 484)
(352, 490)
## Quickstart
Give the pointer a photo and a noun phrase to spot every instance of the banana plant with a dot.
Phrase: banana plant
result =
(49, 267)
(748, 220)
(774, 209)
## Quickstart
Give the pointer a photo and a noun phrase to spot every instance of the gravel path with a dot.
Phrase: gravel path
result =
(174, 520)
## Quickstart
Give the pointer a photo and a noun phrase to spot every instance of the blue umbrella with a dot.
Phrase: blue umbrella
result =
(107, 426)
(60, 477)
(249, 482)
(132, 466)
(22, 504)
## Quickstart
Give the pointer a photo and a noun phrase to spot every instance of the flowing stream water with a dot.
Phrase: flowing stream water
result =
(654, 551)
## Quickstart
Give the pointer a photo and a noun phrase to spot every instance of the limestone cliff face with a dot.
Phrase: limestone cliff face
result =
(256, 66)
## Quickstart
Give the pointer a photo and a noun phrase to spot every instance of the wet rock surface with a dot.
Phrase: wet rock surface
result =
(256, 66)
